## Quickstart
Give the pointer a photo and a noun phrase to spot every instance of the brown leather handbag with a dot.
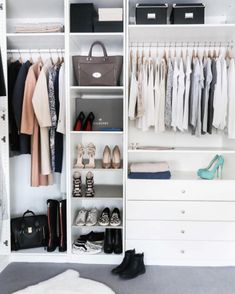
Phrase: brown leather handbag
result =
(97, 71)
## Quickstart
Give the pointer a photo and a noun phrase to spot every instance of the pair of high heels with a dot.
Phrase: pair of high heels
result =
(90, 149)
(214, 168)
(113, 161)
(84, 123)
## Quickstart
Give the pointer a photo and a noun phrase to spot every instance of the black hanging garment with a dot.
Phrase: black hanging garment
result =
(2, 79)
(17, 104)
(13, 70)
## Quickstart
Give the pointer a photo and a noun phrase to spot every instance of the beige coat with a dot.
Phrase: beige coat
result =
(42, 112)
(29, 126)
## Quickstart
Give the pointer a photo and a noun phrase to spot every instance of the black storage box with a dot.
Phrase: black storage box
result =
(82, 17)
(188, 14)
(151, 14)
(108, 26)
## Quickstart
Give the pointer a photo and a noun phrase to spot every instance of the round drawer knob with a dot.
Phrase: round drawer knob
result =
(182, 252)
(183, 211)
(183, 191)
(183, 232)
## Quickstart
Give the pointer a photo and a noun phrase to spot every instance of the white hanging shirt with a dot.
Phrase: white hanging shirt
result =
(218, 95)
(175, 95)
(187, 93)
(180, 96)
(231, 99)
(150, 114)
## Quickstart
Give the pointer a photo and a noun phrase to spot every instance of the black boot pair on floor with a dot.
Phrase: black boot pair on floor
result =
(113, 241)
(56, 212)
(132, 265)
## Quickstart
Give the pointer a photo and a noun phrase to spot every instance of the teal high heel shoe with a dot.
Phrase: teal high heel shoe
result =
(210, 164)
(217, 164)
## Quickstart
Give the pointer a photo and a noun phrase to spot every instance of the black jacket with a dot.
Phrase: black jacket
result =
(2, 79)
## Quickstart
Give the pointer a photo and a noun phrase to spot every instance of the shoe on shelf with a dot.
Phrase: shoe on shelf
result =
(104, 218)
(115, 219)
(87, 126)
(81, 217)
(80, 154)
(106, 162)
(108, 241)
(91, 154)
(77, 184)
(117, 241)
(90, 191)
(87, 247)
(116, 158)
(92, 217)
(93, 237)
(135, 268)
(214, 168)
(125, 262)
(52, 218)
(79, 122)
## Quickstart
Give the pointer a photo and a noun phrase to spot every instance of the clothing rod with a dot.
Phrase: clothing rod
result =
(181, 44)
(35, 50)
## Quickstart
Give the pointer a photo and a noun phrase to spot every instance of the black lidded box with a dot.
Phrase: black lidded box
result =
(151, 14)
(108, 26)
(188, 14)
(82, 17)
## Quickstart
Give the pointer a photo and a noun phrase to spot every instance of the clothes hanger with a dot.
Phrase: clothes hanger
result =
(197, 52)
(40, 57)
(62, 56)
(51, 57)
(194, 51)
(20, 57)
(219, 52)
(214, 52)
(205, 55)
(58, 61)
(175, 54)
(182, 52)
(187, 51)
(31, 58)
(165, 55)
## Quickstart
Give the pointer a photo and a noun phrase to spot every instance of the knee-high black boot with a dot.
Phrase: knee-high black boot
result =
(52, 214)
(62, 226)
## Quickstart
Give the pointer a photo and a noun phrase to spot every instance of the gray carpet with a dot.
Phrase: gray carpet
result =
(157, 280)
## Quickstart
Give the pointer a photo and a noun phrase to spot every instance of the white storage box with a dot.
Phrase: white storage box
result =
(110, 14)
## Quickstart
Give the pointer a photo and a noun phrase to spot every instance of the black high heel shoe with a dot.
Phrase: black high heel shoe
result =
(79, 122)
(87, 126)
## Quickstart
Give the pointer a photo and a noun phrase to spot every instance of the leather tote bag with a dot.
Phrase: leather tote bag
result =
(29, 231)
(97, 71)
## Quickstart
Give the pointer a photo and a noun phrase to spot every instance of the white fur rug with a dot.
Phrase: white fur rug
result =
(68, 282)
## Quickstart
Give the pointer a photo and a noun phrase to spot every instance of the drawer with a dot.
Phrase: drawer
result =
(172, 251)
(181, 190)
(165, 230)
(180, 211)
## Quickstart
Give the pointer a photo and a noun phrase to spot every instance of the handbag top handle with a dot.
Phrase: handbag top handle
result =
(103, 48)
(28, 212)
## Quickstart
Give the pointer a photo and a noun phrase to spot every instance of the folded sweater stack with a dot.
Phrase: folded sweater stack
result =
(150, 171)
(39, 28)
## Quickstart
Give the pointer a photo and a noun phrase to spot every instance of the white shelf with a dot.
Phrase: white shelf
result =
(96, 92)
(185, 150)
(97, 34)
(36, 40)
(98, 167)
(104, 191)
(95, 133)
(96, 227)
(186, 33)
(188, 176)
(38, 251)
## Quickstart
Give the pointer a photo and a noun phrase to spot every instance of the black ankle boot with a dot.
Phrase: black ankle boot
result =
(52, 213)
(62, 226)
(108, 241)
(125, 263)
(136, 267)
(117, 241)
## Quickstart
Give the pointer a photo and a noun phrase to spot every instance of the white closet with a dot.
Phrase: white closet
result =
(182, 221)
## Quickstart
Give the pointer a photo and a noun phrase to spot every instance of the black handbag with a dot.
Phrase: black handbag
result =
(29, 231)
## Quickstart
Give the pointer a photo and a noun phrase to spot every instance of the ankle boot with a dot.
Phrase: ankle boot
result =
(136, 267)
(62, 226)
(108, 241)
(52, 213)
(125, 263)
(117, 241)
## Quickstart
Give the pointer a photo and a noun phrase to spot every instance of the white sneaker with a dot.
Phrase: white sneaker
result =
(92, 217)
(81, 217)
(86, 248)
